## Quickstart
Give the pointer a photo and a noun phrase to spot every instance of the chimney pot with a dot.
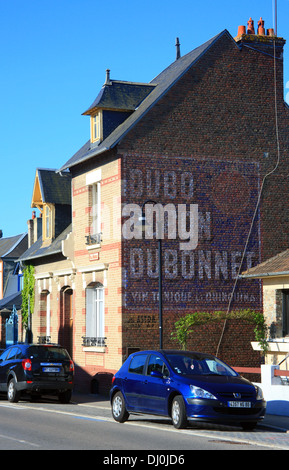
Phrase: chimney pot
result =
(251, 29)
(261, 29)
(270, 32)
(107, 80)
(241, 30)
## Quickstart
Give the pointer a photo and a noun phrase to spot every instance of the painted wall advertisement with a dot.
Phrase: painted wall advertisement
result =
(203, 213)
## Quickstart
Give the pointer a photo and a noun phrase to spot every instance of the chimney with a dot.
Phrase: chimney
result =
(107, 78)
(34, 229)
(1, 233)
(263, 41)
(178, 49)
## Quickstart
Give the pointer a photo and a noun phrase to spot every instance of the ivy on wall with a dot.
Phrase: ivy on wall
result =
(27, 293)
(185, 326)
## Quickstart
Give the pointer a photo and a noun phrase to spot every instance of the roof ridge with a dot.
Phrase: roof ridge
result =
(169, 77)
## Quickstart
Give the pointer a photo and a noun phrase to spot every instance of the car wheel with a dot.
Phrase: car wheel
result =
(65, 397)
(178, 413)
(119, 411)
(13, 394)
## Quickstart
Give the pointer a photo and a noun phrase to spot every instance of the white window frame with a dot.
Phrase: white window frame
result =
(93, 179)
(96, 124)
(94, 321)
(96, 208)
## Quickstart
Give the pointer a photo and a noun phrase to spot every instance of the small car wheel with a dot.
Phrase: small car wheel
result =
(178, 413)
(119, 411)
(65, 397)
(13, 394)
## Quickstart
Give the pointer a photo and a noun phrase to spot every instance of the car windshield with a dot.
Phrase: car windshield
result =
(189, 364)
(48, 353)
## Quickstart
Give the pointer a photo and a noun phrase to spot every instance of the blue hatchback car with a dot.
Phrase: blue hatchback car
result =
(185, 385)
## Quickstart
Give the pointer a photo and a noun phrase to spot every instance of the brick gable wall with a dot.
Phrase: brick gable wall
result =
(212, 128)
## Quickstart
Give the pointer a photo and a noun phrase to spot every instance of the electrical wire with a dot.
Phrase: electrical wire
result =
(258, 200)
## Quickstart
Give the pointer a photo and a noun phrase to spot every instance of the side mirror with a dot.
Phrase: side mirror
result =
(156, 373)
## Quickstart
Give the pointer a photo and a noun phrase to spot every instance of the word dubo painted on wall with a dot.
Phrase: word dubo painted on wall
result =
(225, 195)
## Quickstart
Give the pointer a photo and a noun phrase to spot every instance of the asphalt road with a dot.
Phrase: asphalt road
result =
(88, 425)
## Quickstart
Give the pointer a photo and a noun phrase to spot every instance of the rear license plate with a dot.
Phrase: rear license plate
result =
(50, 369)
(239, 404)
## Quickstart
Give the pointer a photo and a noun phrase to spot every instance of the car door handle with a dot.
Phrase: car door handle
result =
(145, 382)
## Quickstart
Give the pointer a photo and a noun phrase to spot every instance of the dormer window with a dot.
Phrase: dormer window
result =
(115, 102)
(52, 197)
(96, 127)
(48, 216)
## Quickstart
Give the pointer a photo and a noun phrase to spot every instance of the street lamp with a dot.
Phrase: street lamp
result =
(159, 232)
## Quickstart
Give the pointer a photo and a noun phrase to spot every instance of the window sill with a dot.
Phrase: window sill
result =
(96, 349)
(274, 346)
(93, 247)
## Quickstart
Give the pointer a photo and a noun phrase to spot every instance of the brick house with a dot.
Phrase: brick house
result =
(202, 132)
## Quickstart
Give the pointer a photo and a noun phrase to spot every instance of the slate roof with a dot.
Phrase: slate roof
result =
(120, 95)
(13, 299)
(55, 187)
(38, 251)
(162, 84)
(276, 266)
(13, 246)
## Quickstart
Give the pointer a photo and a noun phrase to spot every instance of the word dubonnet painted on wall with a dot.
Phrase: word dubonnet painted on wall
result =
(202, 246)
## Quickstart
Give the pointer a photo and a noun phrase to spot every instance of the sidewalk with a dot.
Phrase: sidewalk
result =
(277, 422)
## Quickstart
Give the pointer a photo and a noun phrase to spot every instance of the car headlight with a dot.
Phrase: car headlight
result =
(198, 392)
(259, 393)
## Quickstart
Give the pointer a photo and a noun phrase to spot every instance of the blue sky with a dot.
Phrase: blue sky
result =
(53, 58)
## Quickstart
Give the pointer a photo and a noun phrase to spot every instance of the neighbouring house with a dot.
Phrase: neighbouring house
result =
(274, 274)
(201, 133)
(49, 237)
(10, 278)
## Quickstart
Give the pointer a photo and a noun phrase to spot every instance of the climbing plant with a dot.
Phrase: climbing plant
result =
(27, 293)
(185, 326)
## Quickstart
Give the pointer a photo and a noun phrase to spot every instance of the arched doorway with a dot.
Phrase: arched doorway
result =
(65, 335)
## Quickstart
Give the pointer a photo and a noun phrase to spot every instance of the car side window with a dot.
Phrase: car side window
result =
(4, 355)
(157, 364)
(137, 364)
(13, 353)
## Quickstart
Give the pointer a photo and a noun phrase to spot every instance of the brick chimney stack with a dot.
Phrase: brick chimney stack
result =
(262, 41)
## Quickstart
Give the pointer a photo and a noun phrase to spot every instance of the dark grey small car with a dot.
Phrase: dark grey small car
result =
(35, 369)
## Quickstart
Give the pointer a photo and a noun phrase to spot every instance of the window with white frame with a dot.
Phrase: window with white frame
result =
(94, 316)
(96, 206)
(93, 180)
(96, 127)
(47, 221)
